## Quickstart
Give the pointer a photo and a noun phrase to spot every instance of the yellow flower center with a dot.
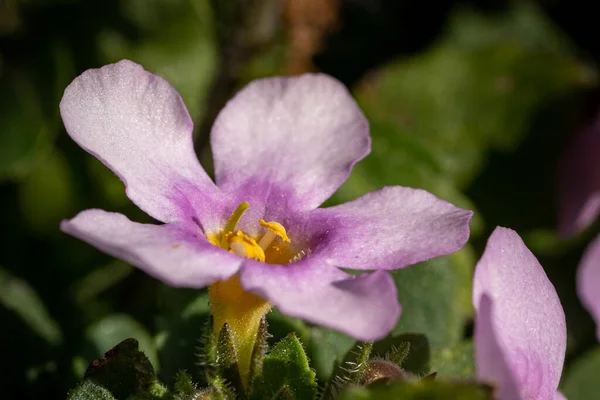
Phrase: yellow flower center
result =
(272, 247)
(230, 303)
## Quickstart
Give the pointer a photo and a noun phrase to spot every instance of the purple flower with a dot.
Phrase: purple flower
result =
(281, 146)
(579, 201)
(588, 281)
(579, 182)
(520, 328)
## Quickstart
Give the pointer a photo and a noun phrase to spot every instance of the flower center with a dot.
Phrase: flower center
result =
(273, 247)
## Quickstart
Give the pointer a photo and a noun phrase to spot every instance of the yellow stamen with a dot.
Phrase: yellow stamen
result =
(242, 311)
(244, 246)
(274, 229)
(232, 222)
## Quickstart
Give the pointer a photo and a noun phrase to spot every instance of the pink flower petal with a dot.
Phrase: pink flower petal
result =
(390, 228)
(579, 182)
(297, 134)
(364, 306)
(136, 124)
(524, 321)
(588, 281)
(176, 254)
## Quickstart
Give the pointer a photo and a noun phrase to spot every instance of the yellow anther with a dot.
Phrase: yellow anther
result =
(244, 246)
(232, 222)
(276, 228)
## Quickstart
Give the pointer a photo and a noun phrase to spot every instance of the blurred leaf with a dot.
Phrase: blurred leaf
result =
(99, 280)
(25, 133)
(419, 390)
(124, 370)
(435, 298)
(581, 379)
(17, 296)
(90, 390)
(182, 316)
(326, 348)
(46, 195)
(113, 329)
(476, 89)
(177, 42)
(286, 373)
(455, 362)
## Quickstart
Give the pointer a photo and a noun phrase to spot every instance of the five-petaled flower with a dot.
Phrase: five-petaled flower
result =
(520, 328)
(281, 147)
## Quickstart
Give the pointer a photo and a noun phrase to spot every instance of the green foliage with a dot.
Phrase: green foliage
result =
(124, 370)
(442, 312)
(581, 380)
(115, 328)
(17, 296)
(90, 390)
(349, 370)
(286, 373)
(419, 390)
(179, 45)
(455, 362)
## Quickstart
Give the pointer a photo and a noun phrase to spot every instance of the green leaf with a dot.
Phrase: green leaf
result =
(476, 89)
(349, 370)
(327, 348)
(435, 297)
(183, 325)
(455, 362)
(184, 386)
(26, 134)
(581, 379)
(227, 359)
(260, 348)
(99, 280)
(419, 390)
(90, 390)
(46, 195)
(410, 351)
(177, 42)
(115, 328)
(17, 296)
(286, 373)
(124, 370)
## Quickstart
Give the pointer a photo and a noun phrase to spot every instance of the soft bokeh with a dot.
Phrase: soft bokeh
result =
(472, 101)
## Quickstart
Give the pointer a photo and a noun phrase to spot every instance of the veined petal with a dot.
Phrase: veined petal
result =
(173, 253)
(579, 182)
(518, 315)
(389, 229)
(364, 306)
(300, 134)
(588, 281)
(136, 124)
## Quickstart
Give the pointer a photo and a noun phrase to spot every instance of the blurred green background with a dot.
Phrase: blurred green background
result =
(473, 101)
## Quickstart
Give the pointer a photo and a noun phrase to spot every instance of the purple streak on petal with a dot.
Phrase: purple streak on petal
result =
(137, 125)
(579, 182)
(588, 281)
(302, 134)
(363, 306)
(389, 229)
(525, 315)
(175, 253)
(489, 357)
